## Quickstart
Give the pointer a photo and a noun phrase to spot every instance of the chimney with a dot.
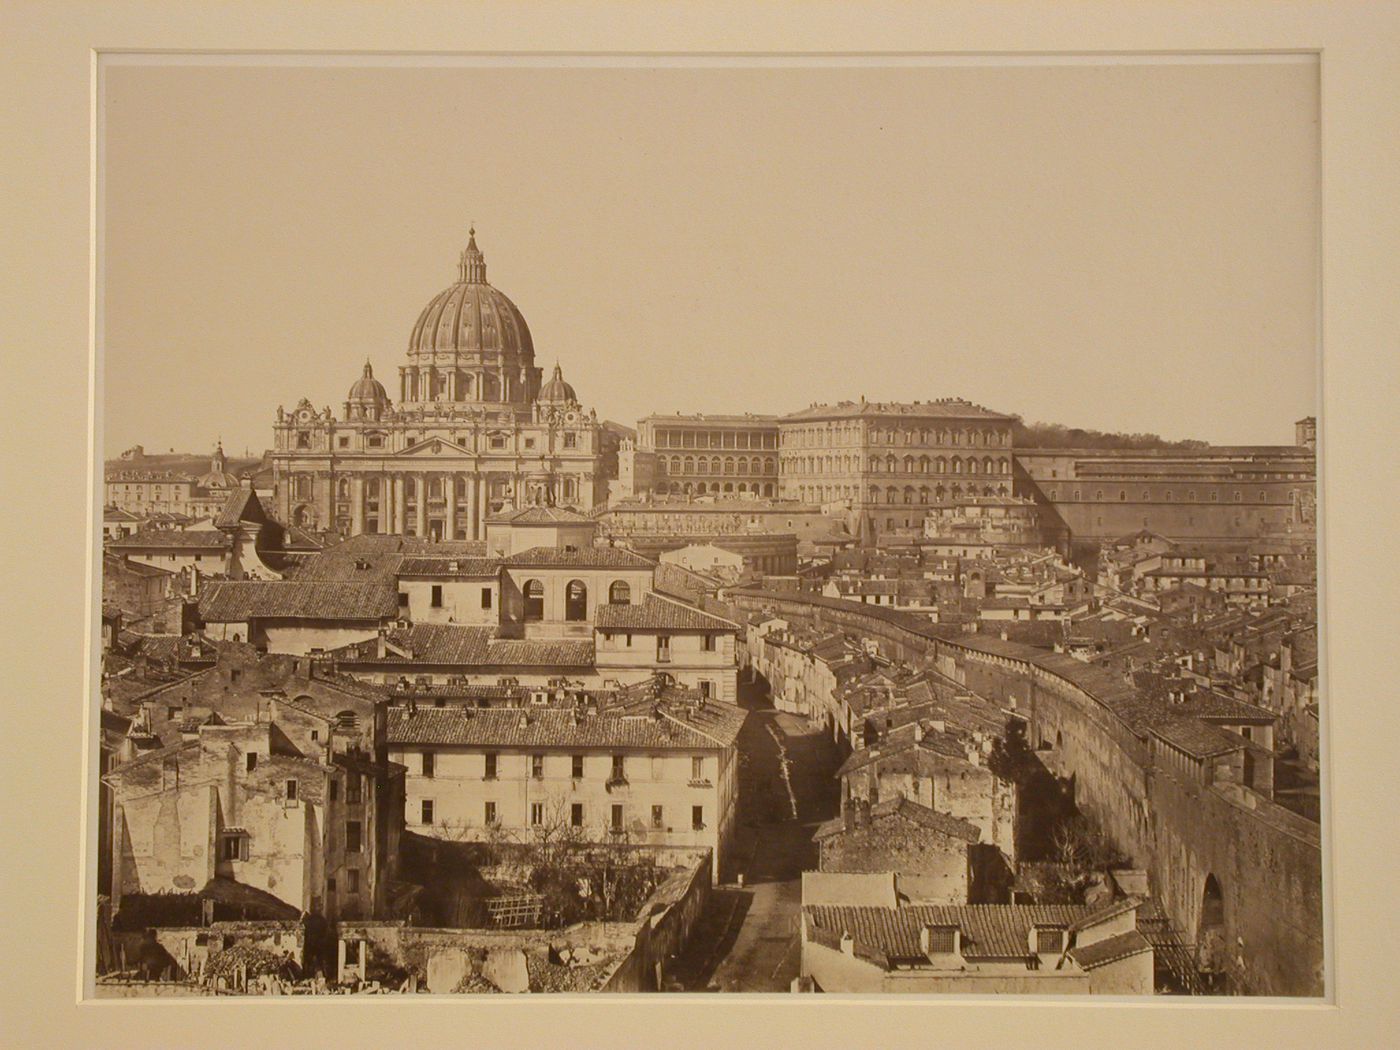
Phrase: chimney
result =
(381, 648)
(918, 733)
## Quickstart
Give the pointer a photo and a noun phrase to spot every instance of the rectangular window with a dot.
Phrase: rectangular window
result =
(616, 823)
(697, 768)
(437, 596)
(354, 836)
(576, 814)
(252, 761)
(570, 440)
(707, 643)
(291, 791)
(658, 818)
(352, 788)
(618, 767)
(330, 885)
(537, 766)
(577, 773)
(343, 441)
(707, 688)
(490, 813)
(486, 597)
(1049, 941)
(490, 765)
(536, 813)
(427, 811)
(403, 599)
(663, 648)
(335, 790)
(428, 763)
(697, 817)
(235, 847)
(352, 881)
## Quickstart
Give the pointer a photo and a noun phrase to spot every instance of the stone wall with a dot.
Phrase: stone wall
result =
(1266, 861)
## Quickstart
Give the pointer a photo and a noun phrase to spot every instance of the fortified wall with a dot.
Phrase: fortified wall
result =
(1238, 875)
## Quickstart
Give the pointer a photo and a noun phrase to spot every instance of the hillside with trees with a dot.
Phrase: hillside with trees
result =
(1057, 435)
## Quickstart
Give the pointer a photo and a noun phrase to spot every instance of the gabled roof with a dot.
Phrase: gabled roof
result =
(468, 568)
(464, 645)
(242, 506)
(989, 931)
(540, 515)
(234, 601)
(655, 613)
(192, 539)
(579, 558)
(907, 810)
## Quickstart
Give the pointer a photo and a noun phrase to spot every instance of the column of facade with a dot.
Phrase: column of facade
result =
(357, 505)
(421, 526)
(471, 506)
(452, 385)
(482, 507)
(398, 505)
(449, 531)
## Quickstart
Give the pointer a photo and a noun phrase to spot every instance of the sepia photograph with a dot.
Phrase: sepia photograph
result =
(805, 526)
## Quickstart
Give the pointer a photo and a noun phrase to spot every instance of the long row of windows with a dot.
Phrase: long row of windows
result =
(838, 464)
(740, 465)
(539, 815)
(908, 495)
(716, 439)
(1167, 496)
(491, 765)
(849, 433)
(714, 488)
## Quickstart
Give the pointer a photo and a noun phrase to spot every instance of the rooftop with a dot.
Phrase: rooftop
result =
(578, 558)
(655, 613)
(234, 601)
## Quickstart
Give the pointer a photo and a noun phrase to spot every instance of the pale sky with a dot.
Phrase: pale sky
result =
(1114, 247)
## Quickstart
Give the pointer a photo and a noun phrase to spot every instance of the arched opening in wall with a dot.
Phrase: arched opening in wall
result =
(301, 517)
(534, 601)
(1211, 957)
(620, 593)
(1059, 740)
(576, 601)
(768, 490)
(699, 488)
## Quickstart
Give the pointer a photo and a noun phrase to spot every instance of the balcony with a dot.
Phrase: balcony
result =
(616, 782)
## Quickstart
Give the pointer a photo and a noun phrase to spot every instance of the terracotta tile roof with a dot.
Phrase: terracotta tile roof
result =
(462, 568)
(579, 558)
(463, 645)
(989, 931)
(1101, 953)
(193, 539)
(542, 516)
(233, 601)
(904, 809)
(242, 506)
(677, 728)
(655, 613)
(1197, 738)
(335, 566)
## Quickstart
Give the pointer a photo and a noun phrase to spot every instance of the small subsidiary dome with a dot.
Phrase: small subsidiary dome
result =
(556, 390)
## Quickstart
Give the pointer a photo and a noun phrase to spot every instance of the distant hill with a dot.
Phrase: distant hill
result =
(1057, 435)
(181, 462)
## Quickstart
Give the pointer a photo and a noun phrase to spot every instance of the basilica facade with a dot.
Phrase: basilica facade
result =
(474, 430)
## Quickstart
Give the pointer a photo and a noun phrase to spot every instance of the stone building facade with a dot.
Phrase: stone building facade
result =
(888, 461)
(474, 430)
(712, 454)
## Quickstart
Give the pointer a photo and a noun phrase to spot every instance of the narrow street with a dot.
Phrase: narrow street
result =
(747, 939)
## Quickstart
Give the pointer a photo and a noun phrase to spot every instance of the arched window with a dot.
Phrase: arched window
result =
(1169, 495)
(890, 465)
(972, 465)
(1076, 494)
(1146, 495)
(957, 465)
(729, 486)
(700, 488)
(908, 494)
(576, 601)
(768, 489)
(940, 465)
(891, 494)
(702, 465)
(923, 464)
(1098, 494)
(923, 494)
(874, 494)
(908, 464)
(342, 488)
(620, 593)
(690, 464)
(716, 465)
(1122, 495)
(534, 601)
(1238, 496)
